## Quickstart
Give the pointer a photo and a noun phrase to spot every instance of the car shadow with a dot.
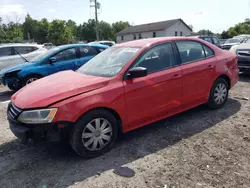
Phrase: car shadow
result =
(6, 95)
(56, 165)
(244, 77)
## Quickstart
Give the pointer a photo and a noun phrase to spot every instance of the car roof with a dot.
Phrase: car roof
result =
(17, 44)
(79, 45)
(152, 41)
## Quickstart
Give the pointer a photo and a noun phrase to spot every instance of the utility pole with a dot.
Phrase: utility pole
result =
(96, 6)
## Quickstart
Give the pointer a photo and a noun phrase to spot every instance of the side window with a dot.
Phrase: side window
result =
(65, 55)
(5, 52)
(190, 51)
(24, 49)
(157, 58)
(215, 40)
(208, 51)
(87, 51)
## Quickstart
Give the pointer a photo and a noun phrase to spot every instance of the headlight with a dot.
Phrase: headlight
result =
(37, 116)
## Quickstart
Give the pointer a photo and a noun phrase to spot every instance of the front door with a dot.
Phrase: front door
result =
(197, 66)
(65, 60)
(154, 96)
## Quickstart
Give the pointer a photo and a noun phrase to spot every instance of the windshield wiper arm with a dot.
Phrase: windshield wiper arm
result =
(23, 58)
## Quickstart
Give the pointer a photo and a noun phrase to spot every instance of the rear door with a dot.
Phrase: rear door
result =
(157, 94)
(86, 53)
(197, 65)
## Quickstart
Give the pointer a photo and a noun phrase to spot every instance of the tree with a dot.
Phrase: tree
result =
(205, 32)
(224, 35)
(59, 33)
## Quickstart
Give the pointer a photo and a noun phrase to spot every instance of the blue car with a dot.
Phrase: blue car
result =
(66, 57)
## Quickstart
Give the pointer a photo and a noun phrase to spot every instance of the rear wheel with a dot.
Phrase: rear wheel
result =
(30, 79)
(218, 94)
(94, 133)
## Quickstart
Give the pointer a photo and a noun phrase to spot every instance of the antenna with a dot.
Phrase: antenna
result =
(96, 5)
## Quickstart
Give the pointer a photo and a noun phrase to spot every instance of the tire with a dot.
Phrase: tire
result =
(14, 87)
(27, 80)
(218, 94)
(85, 147)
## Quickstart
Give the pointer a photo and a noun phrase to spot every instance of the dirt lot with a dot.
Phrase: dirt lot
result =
(199, 148)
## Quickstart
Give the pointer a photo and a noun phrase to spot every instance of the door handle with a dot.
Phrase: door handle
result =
(210, 67)
(176, 76)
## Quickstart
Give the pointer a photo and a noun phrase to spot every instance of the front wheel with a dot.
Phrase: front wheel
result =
(94, 133)
(218, 94)
(30, 79)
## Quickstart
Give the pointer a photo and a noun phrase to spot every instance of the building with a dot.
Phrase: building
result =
(176, 27)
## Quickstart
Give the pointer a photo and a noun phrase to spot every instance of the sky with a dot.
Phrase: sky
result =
(215, 15)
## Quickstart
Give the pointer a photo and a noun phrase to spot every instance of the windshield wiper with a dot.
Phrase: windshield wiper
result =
(23, 58)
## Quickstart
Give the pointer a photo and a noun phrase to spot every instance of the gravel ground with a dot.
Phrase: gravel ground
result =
(198, 148)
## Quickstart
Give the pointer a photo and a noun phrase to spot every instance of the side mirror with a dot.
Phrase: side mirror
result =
(52, 60)
(137, 72)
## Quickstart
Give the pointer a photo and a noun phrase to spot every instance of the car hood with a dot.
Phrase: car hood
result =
(229, 44)
(243, 46)
(56, 87)
(16, 68)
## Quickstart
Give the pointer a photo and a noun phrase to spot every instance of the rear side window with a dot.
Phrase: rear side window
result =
(208, 51)
(24, 49)
(215, 40)
(157, 58)
(87, 51)
(107, 43)
(190, 51)
(5, 52)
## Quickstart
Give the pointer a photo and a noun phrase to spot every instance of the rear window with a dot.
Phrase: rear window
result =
(24, 49)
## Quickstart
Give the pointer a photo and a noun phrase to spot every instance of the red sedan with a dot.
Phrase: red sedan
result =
(123, 88)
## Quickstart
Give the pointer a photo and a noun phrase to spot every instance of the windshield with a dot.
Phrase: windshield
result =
(109, 62)
(44, 55)
(233, 41)
(247, 41)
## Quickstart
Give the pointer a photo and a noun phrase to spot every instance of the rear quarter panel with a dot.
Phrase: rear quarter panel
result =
(227, 64)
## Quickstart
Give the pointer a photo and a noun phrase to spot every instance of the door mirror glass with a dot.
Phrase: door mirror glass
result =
(137, 72)
(52, 60)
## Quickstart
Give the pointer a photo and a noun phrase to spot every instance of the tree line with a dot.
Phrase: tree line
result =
(63, 32)
(58, 31)
(238, 29)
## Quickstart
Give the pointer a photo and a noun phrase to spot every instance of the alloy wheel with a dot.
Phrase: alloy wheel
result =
(31, 80)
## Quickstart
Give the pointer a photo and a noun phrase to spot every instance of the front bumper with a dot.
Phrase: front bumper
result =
(244, 63)
(44, 132)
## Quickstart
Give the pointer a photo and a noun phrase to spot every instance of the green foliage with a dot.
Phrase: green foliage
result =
(205, 32)
(238, 29)
(58, 31)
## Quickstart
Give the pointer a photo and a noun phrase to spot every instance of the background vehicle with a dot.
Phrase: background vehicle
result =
(9, 54)
(231, 42)
(210, 38)
(222, 41)
(104, 42)
(123, 88)
(67, 57)
(48, 46)
(243, 52)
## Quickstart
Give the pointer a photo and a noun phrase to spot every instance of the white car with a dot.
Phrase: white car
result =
(104, 42)
(14, 54)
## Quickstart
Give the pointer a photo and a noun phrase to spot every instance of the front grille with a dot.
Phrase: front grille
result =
(244, 63)
(13, 111)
